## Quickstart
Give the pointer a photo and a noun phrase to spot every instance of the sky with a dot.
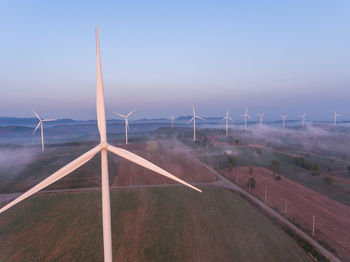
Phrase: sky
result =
(162, 57)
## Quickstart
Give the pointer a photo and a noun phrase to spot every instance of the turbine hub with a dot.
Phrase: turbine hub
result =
(103, 145)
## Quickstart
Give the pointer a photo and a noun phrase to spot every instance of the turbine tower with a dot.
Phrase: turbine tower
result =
(172, 118)
(246, 115)
(335, 118)
(126, 124)
(103, 147)
(284, 120)
(194, 122)
(227, 117)
(41, 121)
(303, 119)
(261, 116)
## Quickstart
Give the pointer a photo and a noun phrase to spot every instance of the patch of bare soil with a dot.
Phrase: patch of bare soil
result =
(332, 218)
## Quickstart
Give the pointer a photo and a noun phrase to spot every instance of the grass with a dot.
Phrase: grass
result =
(158, 224)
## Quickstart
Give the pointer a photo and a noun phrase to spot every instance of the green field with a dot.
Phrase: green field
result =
(154, 224)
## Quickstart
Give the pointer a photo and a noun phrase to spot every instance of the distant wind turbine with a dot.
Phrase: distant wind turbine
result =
(246, 115)
(227, 117)
(335, 118)
(303, 119)
(41, 121)
(126, 123)
(103, 147)
(172, 118)
(194, 122)
(284, 120)
(261, 116)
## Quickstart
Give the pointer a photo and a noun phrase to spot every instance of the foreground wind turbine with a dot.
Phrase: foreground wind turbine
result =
(41, 127)
(261, 118)
(194, 122)
(227, 117)
(126, 123)
(245, 115)
(172, 118)
(303, 120)
(284, 120)
(335, 118)
(103, 147)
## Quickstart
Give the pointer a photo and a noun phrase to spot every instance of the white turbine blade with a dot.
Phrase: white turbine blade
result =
(55, 176)
(36, 128)
(194, 113)
(230, 118)
(36, 114)
(146, 164)
(100, 100)
(190, 120)
(249, 116)
(133, 111)
(200, 118)
(49, 120)
(122, 116)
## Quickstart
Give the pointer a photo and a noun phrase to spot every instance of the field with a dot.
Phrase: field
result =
(121, 172)
(149, 224)
(332, 217)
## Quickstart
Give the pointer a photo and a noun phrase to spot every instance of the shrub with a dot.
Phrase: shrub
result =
(252, 182)
(278, 177)
(328, 180)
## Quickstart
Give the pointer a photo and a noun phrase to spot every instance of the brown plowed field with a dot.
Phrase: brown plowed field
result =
(332, 218)
(178, 163)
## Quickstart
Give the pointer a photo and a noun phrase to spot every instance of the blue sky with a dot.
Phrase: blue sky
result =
(161, 57)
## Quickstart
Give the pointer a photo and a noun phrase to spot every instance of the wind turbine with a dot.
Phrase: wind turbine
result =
(261, 118)
(126, 123)
(245, 115)
(227, 117)
(41, 121)
(194, 122)
(172, 118)
(335, 118)
(284, 120)
(103, 147)
(303, 120)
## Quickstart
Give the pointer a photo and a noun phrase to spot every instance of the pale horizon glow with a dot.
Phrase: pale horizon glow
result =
(164, 57)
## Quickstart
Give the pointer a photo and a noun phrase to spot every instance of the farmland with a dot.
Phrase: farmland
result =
(302, 203)
(150, 224)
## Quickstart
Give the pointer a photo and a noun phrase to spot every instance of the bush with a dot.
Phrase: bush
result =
(328, 180)
(315, 173)
(252, 182)
(278, 177)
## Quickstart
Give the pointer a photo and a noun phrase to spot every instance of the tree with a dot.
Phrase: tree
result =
(328, 180)
(251, 182)
(231, 162)
(251, 170)
(275, 166)
(349, 169)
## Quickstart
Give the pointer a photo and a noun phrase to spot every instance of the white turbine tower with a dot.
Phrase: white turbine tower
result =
(126, 124)
(194, 122)
(103, 147)
(246, 116)
(41, 121)
(172, 118)
(261, 116)
(227, 117)
(335, 118)
(284, 120)
(303, 119)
